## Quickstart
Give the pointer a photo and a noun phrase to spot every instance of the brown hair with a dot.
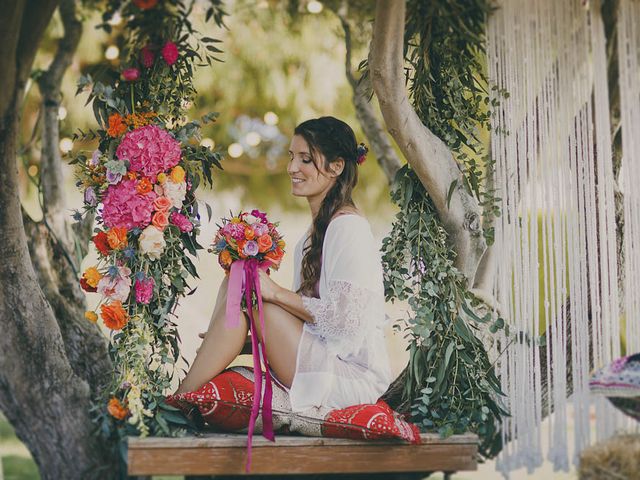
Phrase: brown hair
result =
(334, 139)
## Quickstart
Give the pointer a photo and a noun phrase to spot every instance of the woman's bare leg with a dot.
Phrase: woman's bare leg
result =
(283, 333)
(221, 345)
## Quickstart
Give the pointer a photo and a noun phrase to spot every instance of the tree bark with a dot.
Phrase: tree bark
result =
(51, 174)
(378, 139)
(41, 393)
(429, 157)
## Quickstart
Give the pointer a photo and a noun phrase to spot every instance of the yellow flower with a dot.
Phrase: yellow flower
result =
(235, 220)
(91, 316)
(162, 177)
(281, 243)
(92, 276)
(177, 174)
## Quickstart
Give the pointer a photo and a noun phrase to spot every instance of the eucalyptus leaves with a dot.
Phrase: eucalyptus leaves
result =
(451, 383)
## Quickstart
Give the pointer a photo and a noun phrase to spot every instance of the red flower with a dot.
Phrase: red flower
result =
(101, 241)
(145, 4)
(86, 287)
(147, 57)
(130, 74)
(170, 53)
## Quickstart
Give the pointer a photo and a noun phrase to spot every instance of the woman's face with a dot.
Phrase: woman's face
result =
(306, 179)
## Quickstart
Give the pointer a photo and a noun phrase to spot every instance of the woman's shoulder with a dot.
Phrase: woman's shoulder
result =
(348, 223)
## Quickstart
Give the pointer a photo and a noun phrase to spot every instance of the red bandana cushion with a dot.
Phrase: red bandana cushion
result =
(225, 403)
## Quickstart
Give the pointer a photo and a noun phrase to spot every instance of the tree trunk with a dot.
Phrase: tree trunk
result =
(50, 361)
(378, 139)
(429, 157)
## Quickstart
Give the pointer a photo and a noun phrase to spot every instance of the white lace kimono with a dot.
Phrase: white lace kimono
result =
(342, 357)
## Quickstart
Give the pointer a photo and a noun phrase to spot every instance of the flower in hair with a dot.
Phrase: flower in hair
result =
(362, 153)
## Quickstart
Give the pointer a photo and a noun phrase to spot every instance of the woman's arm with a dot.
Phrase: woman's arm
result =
(290, 301)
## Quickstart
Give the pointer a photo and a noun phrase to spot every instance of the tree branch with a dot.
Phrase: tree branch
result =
(429, 157)
(378, 139)
(51, 174)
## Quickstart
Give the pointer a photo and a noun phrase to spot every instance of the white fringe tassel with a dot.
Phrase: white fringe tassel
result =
(552, 145)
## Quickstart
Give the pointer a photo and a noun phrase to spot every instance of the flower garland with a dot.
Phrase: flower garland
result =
(140, 184)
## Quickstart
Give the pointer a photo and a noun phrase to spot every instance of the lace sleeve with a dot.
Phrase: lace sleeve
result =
(342, 318)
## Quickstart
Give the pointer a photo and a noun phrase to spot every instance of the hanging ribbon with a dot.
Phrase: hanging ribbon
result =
(244, 278)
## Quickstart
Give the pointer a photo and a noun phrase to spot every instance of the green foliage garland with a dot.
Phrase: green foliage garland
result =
(156, 91)
(451, 383)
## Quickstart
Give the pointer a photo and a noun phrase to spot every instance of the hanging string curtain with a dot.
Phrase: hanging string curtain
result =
(551, 142)
(629, 65)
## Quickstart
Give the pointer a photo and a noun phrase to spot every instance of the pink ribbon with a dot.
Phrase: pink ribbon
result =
(244, 278)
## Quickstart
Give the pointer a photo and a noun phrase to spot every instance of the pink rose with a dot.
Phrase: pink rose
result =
(117, 286)
(260, 229)
(130, 74)
(144, 290)
(182, 222)
(147, 57)
(170, 53)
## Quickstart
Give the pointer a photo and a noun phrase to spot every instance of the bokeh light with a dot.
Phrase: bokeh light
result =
(235, 150)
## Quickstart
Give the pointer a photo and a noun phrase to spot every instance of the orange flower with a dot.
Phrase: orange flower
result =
(241, 244)
(116, 410)
(264, 242)
(275, 256)
(162, 204)
(225, 259)
(144, 186)
(160, 219)
(92, 276)
(116, 126)
(249, 233)
(114, 316)
(177, 174)
(117, 238)
(145, 4)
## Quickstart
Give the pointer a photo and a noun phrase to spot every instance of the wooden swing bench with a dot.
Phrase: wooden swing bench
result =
(225, 454)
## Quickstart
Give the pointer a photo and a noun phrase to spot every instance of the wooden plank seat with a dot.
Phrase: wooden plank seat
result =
(225, 454)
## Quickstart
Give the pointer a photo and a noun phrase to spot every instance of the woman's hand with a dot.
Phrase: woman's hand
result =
(268, 288)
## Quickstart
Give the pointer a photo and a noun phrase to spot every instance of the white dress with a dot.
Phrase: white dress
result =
(342, 357)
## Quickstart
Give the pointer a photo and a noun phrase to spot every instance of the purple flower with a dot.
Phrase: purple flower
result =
(113, 177)
(250, 248)
(95, 158)
(261, 215)
(144, 290)
(90, 196)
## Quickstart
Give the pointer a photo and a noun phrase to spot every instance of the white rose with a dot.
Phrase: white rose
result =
(250, 219)
(175, 192)
(152, 242)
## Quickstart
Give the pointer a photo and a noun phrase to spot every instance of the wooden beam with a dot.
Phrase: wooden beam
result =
(225, 454)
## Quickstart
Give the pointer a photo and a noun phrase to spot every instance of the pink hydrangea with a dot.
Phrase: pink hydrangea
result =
(149, 150)
(181, 221)
(125, 207)
(144, 290)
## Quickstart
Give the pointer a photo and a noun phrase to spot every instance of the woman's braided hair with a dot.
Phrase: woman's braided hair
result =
(334, 139)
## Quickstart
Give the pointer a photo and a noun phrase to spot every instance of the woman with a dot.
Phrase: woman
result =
(324, 338)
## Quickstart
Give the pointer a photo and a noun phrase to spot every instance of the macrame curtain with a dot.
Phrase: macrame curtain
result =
(551, 142)
(629, 64)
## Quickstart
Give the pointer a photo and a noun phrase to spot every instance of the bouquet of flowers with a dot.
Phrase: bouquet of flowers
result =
(246, 243)
(248, 235)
